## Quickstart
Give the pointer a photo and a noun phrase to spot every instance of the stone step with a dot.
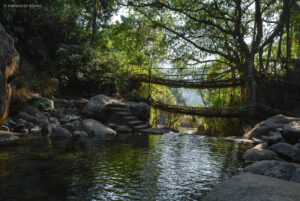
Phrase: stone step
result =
(134, 123)
(139, 127)
(124, 113)
(118, 106)
(131, 118)
(120, 109)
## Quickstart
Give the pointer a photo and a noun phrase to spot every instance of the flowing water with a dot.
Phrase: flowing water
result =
(149, 167)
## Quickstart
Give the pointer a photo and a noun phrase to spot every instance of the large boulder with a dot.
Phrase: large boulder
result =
(60, 133)
(254, 154)
(270, 125)
(287, 150)
(96, 106)
(277, 169)
(9, 62)
(253, 187)
(291, 132)
(141, 110)
(95, 129)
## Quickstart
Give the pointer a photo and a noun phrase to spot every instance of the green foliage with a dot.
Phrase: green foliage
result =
(85, 70)
(40, 105)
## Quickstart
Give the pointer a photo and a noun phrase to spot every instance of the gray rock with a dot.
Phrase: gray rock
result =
(72, 126)
(274, 123)
(54, 120)
(97, 104)
(273, 138)
(141, 110)
(112, 125)
(95, 128)
(276, 169)
(19, 127)
(295, 155)
(80, 134)
(27, 124)
(292, 132)
(287, 150)
(69, 118)
(253, 187)
(4, 128)
(297, 145)
(11, 123)
(252, 155)
(60, 133)
(123, 129)
(37, 117)
(35, 130)
(8, 138)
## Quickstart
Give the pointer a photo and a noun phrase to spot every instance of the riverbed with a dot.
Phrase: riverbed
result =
(129, 167)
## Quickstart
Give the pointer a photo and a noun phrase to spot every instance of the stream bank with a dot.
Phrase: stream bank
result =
(99, 117)
(273, 171)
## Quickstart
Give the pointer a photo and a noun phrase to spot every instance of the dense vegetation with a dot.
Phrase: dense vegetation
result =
(72, 48)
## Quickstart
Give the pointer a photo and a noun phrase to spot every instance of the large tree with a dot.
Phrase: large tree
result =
(232, 32)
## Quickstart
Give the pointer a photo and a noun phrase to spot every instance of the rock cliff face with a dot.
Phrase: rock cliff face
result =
(9, 61)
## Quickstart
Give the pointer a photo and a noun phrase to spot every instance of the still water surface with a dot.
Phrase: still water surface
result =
(149, 167)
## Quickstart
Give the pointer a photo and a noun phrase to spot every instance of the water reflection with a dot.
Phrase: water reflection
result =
(168, 167)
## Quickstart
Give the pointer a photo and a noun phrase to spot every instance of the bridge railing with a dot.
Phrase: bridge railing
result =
(186, 74)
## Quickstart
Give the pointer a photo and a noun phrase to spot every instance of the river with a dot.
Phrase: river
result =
(147, 167)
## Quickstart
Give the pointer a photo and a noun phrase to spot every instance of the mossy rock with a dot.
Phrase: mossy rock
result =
(44, 104)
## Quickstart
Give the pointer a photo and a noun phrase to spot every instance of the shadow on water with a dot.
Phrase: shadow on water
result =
(148, 167)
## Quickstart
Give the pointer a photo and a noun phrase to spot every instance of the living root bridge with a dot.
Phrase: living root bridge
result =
(216, 112)
(190, 84)
(222, 112)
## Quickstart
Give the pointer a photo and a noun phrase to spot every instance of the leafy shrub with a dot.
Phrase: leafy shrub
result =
(83, 70)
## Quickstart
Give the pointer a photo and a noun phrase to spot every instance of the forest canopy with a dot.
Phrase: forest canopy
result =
(75, 48)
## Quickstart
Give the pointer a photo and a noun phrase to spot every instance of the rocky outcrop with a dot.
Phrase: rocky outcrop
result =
(276, 158)
(246, 187)
(65, 119)
(9, 61)
(281, 135)
(272, 124)
(127, 116)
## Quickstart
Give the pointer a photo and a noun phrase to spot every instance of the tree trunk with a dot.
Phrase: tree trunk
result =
(94, 24)
(260, 58)
(251, 84)
(268, 57)
(288, 42)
